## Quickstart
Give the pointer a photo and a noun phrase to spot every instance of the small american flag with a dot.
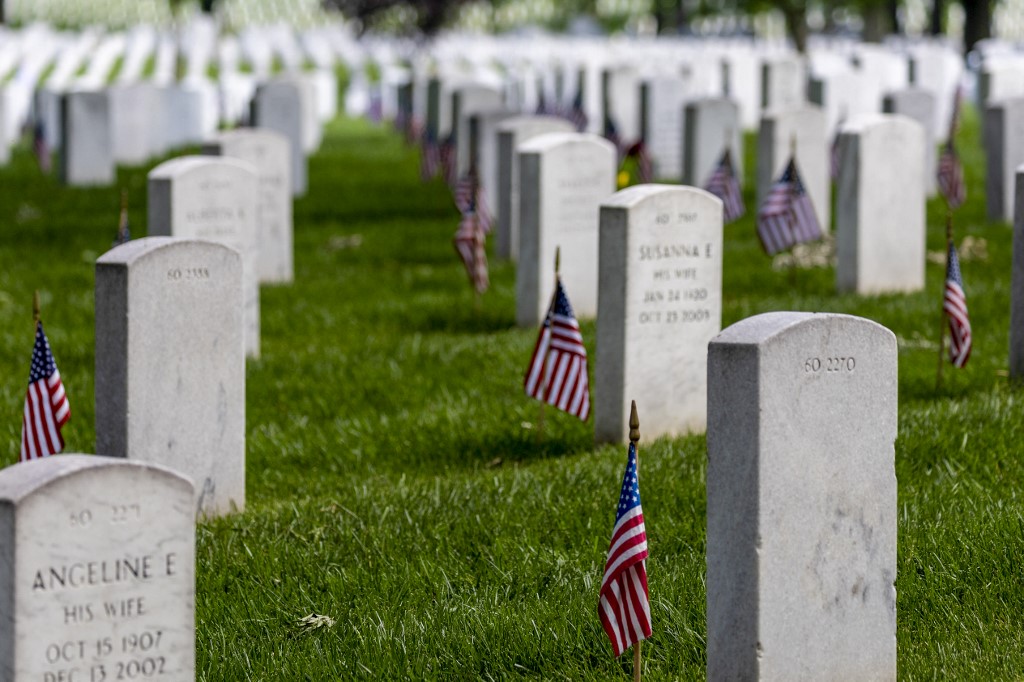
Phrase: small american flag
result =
(430, 157)
(40, 147)
(644, 165)
(470, 244)
(557, 373)
(46, 405)
(951, 176)
(448, 160)
(469, 194)
(624, 607)
(577, 116)
(724, 184)
(954, 304)
(611, 133)
(124, 232)
(787, 215)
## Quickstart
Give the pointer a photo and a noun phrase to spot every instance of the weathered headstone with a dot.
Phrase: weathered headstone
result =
(511, 133)
(801, 499)
(710, 125)
(268, 152)
(97, 571)
(563, 178)
(921, 106)
(87, 152)
(803, 131)
(200, 197)
(880, 206)
(170, 367)
(659, 304)
(277, 106)
(1004, 151)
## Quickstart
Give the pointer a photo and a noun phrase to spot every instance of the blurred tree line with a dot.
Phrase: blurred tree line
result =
(880, 17)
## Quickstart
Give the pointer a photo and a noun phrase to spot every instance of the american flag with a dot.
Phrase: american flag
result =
(724, 184)
(469, 244)
(430, 157)
(469, 194)
(951, 176)
(787, 215)
(557, 373)
(611, 133)
(625, 608)
(954, 304)
(124, 232)
(448, 160)
(644, 165)
(46, 405)
(577, 116)
(40, 147)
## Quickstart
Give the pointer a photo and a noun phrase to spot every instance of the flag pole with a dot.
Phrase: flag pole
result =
(942, 315)
(792, 254)
(35, 309)
(547, 374)
(634, 437)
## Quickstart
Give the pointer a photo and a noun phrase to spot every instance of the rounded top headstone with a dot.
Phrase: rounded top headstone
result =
(27, 478)
(776, 326)
(183, 165)
(549, 141)
(135, 250)
(633, 196)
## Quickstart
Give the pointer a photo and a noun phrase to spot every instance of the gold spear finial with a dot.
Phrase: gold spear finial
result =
(558, 260)
(35, 308)
(634, 424)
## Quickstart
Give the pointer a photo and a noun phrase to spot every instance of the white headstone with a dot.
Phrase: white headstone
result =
(880, 205)
(663, 101)
(802, 130)
(563, 178)
(97, 571)
(269, 153)
(87, 152)
(710, 125)
(277, 106)
(659, 304)
(921, 106)
(511, 133)
(1004, 151)
(170, 367)
(801, 499)
(783, 83)
(200, 197)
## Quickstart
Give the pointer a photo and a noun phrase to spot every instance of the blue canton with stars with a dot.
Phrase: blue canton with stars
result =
(562, 305)
(630, 496)
(43, 365)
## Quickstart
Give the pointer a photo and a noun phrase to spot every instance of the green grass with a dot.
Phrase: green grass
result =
(395, 483)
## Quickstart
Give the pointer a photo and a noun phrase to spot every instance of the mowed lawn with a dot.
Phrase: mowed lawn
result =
(399, 486)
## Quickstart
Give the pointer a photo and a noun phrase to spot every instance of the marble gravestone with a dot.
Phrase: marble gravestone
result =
(511, 133)
(709, 125)
(801, 499)
(1017, 284)
(87, 156)
(880, 206)
(467, 102)
(921, 106)
(659, 304)
(269, 153)
(662, 106)
(804, 130)
(170, 367)
(137, 114)
(483, 129)
(563, 178)
(201, 197)
(97, 571)
(783, 83)
(278, 106)
(1004, 151)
